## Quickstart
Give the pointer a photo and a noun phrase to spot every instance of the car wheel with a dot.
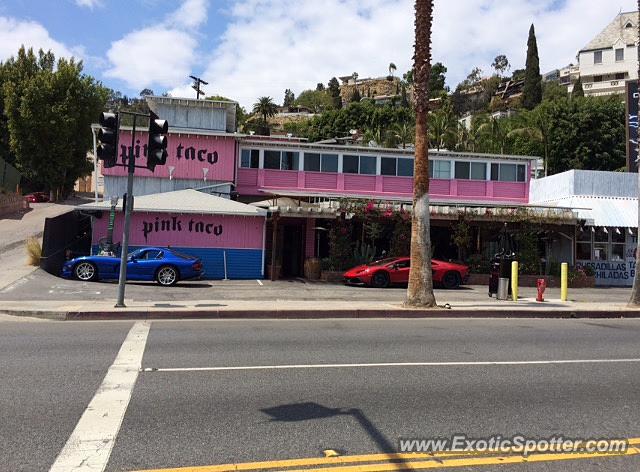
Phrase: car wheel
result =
(451, 280)
(86, 271)
(380, 280)
(167, 276)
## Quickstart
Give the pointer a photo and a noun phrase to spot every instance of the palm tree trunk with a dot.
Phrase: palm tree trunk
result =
(634, 299)
(420, 289)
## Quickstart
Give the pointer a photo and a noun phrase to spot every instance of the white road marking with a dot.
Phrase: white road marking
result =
(388, 364)
(260, 282)
(89, 446)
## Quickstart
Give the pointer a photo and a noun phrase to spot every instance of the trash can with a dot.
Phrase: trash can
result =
(503, 288)
(500, 267)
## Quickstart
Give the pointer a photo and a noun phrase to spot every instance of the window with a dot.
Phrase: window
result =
(440, 170)
(509, 172)
(311, 162)
(619, 55)
(597, 57)
(329, 163)
(388, 166)
(478, 171)
(405, 167)
(289, 160)
(462, 170)
(368, 165)
(151, 254)
(250, 158)
(621, 76)
(583, 251)
(601, 245)
(597, 78)
(272, 159)
(350, 164)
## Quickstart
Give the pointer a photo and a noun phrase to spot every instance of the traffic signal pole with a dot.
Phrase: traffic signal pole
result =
(124, 251)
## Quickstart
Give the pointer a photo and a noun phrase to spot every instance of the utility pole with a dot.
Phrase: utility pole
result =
(197, 81)
(107, 151)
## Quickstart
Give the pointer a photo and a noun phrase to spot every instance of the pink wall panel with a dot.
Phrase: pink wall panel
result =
(439, 187)
(397, 184)
(472, 188)
(247, 177)
(509, 190)
(186, 230)
(188, 153)
(321, 180)
(360, 182)
(280, 178)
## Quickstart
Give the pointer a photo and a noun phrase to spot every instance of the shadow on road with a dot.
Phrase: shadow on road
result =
(314, 411)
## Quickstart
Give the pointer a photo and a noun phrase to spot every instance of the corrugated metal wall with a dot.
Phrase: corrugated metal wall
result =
(242, 264)
(114, 185)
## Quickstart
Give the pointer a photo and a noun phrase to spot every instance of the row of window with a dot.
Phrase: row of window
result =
(600, 245)
(390, 166)
(597, 56)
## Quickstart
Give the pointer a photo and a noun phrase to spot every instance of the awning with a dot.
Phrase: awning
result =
(602, 211)
(183, 201)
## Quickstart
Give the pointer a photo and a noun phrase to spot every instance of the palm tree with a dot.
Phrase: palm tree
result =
(265, 108)
(634, 299)
(392, 69)
(373, 135)
(442, 128)
(496, 133)
(404, 133)
(420, 289)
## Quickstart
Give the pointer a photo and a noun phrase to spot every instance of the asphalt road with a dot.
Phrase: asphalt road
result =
(191, 416)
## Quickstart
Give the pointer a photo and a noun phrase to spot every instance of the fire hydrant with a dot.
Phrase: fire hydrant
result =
(542, 285)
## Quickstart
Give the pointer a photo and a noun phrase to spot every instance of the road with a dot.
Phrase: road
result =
(67, 386)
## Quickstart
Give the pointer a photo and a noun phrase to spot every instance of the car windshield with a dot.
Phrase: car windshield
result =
(381, 262)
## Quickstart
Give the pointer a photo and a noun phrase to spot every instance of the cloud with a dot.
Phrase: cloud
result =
(191, 14)
(91, 4)
(15, 33)
(271, 45)
(161, 55)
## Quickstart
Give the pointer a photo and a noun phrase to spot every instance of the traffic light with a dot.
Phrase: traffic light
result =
(108, 137)
(157, 146)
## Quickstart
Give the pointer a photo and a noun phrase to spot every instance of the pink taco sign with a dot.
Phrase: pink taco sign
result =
(190, 156)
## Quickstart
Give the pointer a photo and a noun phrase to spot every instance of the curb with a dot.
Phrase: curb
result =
(320, 314)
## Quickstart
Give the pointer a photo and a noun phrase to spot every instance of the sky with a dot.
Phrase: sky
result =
(246, 49)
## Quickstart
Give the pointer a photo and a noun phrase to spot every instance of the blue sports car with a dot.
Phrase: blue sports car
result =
(163, 265)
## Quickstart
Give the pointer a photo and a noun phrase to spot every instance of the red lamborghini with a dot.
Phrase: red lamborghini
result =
(395, 270)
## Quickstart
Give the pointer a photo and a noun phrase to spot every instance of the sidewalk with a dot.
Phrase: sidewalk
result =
(305, 309)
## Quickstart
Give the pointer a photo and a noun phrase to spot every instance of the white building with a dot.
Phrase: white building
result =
(611, 57)
(606, 205)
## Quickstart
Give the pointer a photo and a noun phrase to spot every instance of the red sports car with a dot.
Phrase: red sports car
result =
(37, 197)
(395, 270)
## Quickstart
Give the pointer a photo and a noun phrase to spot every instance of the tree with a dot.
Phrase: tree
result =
(355, 97)
(501, 64)
(289, 98)
(266, 109)
(315, 100)
(146, 92)
(392, 69)
(437, 80)
(553, 91)
(496, 133)
(532, 91)
(634, 299)
(50, 107)
(442, 128)
(578, 91)
(404, 133)
(408, 76)
(420, 288)
(334, 92)
(319, 87)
